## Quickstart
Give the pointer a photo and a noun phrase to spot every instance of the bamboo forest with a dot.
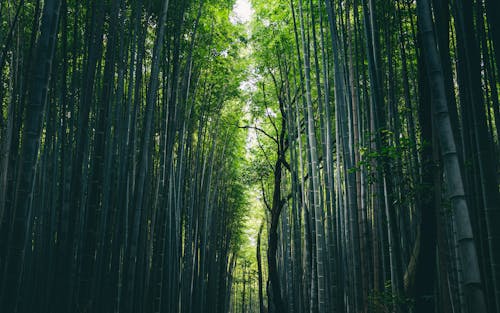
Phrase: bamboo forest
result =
(249, 156)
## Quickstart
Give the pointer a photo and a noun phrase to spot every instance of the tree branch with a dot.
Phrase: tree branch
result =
(264, 195)
(260, 130)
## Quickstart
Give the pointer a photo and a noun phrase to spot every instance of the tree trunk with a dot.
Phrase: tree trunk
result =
(465, 241)
(29, 153)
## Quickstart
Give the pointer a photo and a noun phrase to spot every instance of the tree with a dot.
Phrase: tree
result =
(464, 240)
(18, 228)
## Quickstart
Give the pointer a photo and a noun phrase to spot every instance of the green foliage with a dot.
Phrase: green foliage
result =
(384, 301)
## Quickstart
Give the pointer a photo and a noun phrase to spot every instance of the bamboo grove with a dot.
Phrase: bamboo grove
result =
(134, 135)
(120, 187)
(377, 127)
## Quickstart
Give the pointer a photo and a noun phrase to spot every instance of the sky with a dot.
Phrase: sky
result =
(242, 11)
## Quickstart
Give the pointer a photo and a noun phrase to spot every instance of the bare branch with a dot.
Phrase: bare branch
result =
(259, 130)
(264, 195)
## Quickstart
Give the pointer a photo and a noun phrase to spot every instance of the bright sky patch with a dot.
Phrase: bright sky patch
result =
(242, 12)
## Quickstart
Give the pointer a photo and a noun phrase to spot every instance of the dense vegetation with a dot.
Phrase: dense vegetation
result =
(326, 156)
